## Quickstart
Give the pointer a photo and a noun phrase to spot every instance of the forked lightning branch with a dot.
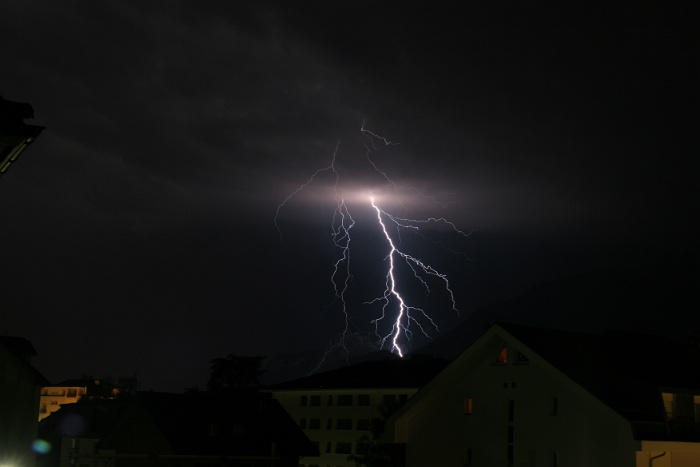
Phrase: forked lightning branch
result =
(398, 317)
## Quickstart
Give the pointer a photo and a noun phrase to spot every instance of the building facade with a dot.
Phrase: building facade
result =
(148, 429)
(338, 408)
(20, 384)
(71, 391)
(593, 401)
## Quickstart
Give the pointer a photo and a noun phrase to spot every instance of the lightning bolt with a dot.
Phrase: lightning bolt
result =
(396, 307)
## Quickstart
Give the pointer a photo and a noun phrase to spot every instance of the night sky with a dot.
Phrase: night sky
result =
(138, 233)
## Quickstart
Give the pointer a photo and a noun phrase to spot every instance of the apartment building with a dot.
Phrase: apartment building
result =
(339, 407)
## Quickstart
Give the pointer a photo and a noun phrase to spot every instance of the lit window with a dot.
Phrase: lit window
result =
(468, 406)
(502, 356)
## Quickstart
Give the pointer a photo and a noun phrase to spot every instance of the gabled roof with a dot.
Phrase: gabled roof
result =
(412, 372)
(624, 370)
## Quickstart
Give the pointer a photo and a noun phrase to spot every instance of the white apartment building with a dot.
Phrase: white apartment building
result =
(337, 408)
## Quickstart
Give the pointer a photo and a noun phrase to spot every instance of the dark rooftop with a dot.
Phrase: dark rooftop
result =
(413, 372)
(625, 370)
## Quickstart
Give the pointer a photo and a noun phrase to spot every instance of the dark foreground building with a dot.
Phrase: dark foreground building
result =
(20, 384)
(241, 428)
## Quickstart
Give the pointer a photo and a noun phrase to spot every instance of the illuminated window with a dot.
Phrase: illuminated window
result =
(468, 406)
(502, 356)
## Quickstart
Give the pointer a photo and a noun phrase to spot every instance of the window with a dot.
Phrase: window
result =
(511, 411)
(468, 406)
(521, 358)
(329, 424)
(329, 447)
(363, 399)
(315, 401)
(403, 398)
(330, 400)
(389, 399)
(343, 424)
(314, 424)
(303, 401)
(302, 423)
(502, 356)
(511, 454)
(555, 406)
(343, 448)
(363, 424)
(345, 400)
(362, 449)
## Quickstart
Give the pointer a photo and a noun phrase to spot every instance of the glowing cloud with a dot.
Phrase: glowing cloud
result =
(399, 317)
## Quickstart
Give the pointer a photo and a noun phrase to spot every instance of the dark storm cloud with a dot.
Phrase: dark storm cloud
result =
(145, 212)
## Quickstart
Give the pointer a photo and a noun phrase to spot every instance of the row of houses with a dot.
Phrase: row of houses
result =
(517, 396)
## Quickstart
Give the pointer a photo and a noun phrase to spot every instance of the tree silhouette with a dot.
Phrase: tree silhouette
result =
(370, 453)
(234, 371)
